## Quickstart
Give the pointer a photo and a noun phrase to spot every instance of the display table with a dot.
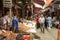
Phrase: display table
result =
(28, 26)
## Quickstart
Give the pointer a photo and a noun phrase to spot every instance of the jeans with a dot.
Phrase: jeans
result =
(37, 25)
(42, 27)
(49, 24)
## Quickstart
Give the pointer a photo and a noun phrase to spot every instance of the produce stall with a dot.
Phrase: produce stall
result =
(7, 35)
(28, 26)
(26, 31)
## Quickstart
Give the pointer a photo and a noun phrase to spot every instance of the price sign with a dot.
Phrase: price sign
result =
(7, 3)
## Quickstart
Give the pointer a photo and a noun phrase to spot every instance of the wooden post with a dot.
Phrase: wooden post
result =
(58, 34)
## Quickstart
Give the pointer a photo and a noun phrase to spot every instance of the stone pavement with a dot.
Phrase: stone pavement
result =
(48, 35)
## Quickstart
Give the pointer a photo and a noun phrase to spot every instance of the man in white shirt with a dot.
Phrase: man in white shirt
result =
(7, 21)
(49, 20)
(42, 21)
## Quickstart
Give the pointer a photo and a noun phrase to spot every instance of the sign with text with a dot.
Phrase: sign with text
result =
(7, 3)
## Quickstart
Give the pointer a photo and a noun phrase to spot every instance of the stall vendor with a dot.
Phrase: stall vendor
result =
(15, 24)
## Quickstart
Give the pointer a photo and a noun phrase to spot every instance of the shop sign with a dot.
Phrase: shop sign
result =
(7, 3)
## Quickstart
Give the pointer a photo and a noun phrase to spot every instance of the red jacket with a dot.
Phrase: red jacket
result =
(37, 19)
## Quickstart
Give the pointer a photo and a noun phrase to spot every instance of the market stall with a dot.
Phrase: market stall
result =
(28, 26)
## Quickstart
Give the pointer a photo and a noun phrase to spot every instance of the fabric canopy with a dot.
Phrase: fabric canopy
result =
(45, 2)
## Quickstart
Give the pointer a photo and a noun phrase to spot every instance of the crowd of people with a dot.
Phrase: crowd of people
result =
(42, 21)
(8, 23)
(47, 21)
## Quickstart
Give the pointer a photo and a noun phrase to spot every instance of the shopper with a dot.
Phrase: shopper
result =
(8, 23)
(37, 22)
(42, 22)
(49, 20)
(1, 22)
(14, 27)
(46, 22)
(7, 20)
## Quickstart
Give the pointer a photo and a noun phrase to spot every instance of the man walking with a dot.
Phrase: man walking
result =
(49, 20)
(42, 21)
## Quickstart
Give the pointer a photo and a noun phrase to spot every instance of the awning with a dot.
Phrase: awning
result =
(46, 3)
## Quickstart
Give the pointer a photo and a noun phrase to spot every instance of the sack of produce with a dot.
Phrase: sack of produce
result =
(23, 27)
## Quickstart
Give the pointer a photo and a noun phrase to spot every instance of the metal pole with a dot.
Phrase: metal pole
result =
(32, 6)
(11, 9)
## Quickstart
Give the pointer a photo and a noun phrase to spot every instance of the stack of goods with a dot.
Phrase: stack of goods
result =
(31, 25)
(23, 36)
(19, 36)
(26, 37)
(23, 27)
(9, 35)
(28, 27)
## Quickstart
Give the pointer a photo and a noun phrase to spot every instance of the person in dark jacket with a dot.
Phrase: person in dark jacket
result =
(37, 22)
